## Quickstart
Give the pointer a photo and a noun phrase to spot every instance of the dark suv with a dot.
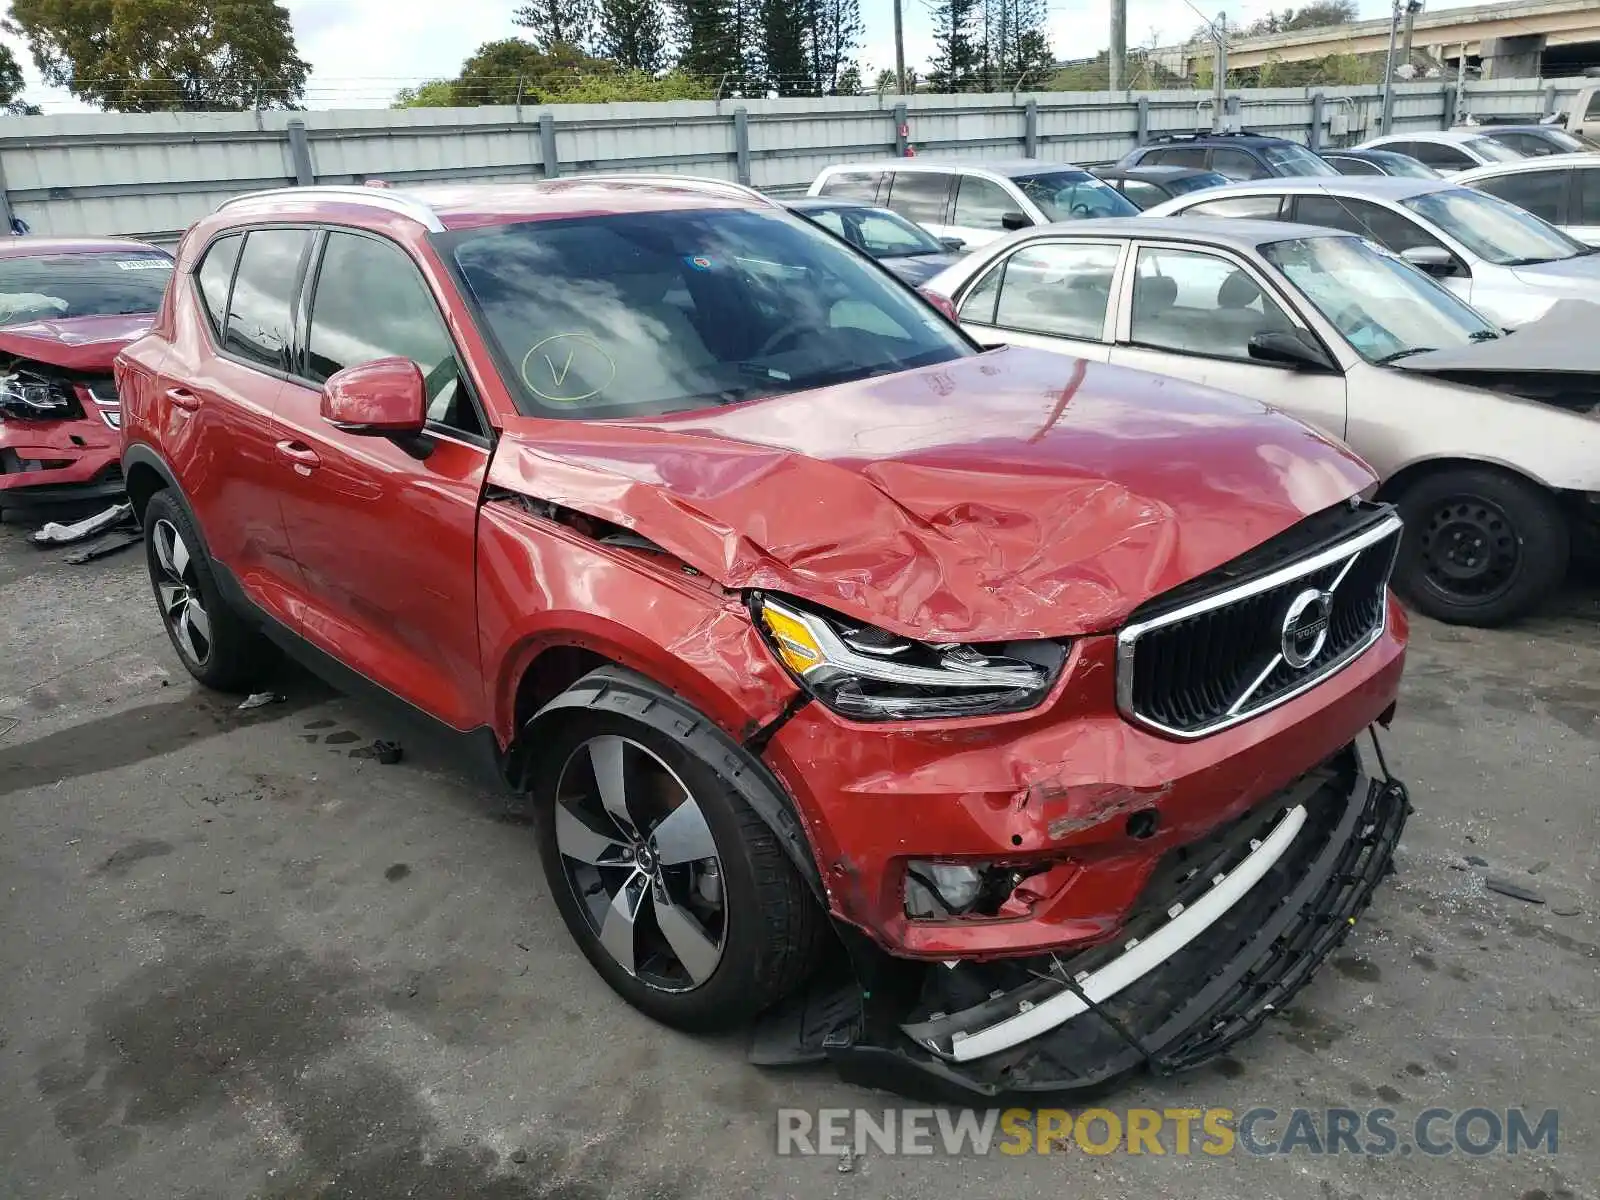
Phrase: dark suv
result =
(801, 618)
(1239, 156)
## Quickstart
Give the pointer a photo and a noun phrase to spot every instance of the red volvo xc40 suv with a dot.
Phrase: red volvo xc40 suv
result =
(802, 620)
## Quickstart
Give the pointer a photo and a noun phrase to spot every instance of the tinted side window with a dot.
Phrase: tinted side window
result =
(1353, 166)
(1527, 144)
(1588, 202)
(919, 195)
(1145, 195)
(260, 323)
(371, 302)
(980, 203)
(1236, 164)
(1594, 104)
(1175, 156)
(1440, 156)
(1543, 193)
(1373, 221)
(857, 185)
(1264, 208)
(215, 277)
(1058, 289)
(1199, 304)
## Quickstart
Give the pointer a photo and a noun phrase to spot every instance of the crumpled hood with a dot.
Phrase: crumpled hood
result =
(75, 343)
(1554, 359)
(1011, 494)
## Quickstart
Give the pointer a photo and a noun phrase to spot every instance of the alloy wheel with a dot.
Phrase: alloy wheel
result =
(178, 588)
(1470, 549)
(640, 858)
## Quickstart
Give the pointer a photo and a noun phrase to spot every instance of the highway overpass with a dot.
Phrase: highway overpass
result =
(1525, 37)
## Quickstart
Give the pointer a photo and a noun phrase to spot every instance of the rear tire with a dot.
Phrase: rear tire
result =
(1481, 546)
(696, 965)
(218, 646)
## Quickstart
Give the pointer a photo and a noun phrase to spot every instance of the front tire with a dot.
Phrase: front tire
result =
(217, 646)
(1481, 546)
(675, 890)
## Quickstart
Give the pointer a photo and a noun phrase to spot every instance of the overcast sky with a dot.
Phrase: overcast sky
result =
(362, 51)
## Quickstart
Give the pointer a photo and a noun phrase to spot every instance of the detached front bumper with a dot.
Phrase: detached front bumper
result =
(1225, 933)
(58, 461)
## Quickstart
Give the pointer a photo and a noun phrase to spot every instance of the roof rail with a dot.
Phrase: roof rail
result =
(384, 198)
(688, 182)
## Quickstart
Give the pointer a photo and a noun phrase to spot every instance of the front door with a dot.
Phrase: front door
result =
(385, 534)
(1191, 314)
(981, 206)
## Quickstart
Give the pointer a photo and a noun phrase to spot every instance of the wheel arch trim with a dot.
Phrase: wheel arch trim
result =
(618, 690)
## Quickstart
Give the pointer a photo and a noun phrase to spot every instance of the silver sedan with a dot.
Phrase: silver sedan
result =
(1489, 443)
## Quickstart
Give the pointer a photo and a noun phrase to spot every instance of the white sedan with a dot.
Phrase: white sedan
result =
(1494, 484)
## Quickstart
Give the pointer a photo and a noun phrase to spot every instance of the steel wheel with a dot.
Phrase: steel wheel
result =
(640, 859)
(178, 588)
(1470, 549)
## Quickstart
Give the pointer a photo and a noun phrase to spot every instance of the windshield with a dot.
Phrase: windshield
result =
(1492, 229)
(1492, 151)
(1291, 159)
(1196, 183)
(881, 233)
(1069, 195)
(1384, 307)
(1403, 166)
(102, 283)
(637, 314)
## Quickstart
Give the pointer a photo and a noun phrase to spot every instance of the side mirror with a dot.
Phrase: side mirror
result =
(384, 397)
(1014, 221)
(1287, 349)
(954, 245)
(1435, 260)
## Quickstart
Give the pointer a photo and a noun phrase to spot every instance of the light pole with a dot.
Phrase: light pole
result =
(899, 51)
(1408, 8)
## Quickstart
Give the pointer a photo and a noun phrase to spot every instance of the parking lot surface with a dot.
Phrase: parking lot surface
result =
(241, 957)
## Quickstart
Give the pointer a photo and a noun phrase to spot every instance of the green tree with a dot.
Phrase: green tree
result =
(165, 55)
(633, 86)
(956, 64)
(633, 34)
(834, 29)
(787, 61)
(718, 39)
(885, 83)
(11, 85)
(849, 81)
(1318, 15)
(553, 23)
(436, 93)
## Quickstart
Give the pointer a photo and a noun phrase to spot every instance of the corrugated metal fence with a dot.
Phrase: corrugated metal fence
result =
(151, 175)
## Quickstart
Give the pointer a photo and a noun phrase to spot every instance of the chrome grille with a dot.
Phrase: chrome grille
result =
(1228, 653)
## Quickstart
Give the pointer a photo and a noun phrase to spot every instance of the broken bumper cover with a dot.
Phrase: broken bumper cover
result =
(1228, 934)
(57, 462)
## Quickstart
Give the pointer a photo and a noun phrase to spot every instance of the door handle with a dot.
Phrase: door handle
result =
(183, 398)
(298, 454)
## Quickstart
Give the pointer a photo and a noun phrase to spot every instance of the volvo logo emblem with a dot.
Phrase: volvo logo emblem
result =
(1305, 627)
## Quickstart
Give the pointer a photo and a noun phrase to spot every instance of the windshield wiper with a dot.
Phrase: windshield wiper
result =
(1535, 262)
(1483, 335)
(1399, 354)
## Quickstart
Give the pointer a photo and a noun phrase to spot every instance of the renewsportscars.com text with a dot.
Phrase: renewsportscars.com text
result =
(1261, 1130)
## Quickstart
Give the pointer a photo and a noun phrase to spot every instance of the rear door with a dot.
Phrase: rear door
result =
(1191, 313)
(1586, 206)
(216, 392)
(920, 196)
(384, 533)
(1051, 295)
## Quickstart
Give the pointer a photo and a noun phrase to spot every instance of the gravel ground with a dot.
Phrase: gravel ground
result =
(238, 959)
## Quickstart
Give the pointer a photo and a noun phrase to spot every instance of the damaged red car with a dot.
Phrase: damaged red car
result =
(67, 306)
(803, 622)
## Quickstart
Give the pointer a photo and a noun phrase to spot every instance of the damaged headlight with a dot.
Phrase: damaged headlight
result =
(32, 397)
(868, 674)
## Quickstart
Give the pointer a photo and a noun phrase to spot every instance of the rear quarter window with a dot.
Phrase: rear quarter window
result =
(215, 278)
